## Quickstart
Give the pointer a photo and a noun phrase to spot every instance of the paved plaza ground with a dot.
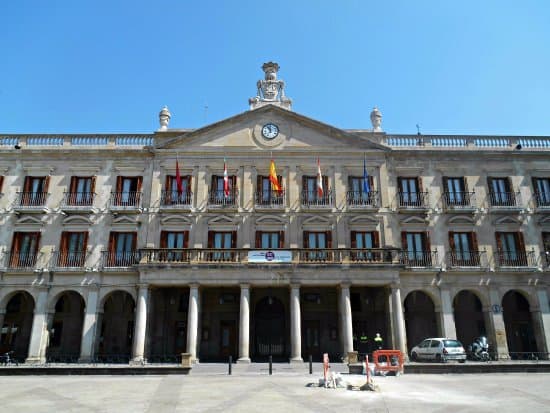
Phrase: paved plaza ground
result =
(250, 389)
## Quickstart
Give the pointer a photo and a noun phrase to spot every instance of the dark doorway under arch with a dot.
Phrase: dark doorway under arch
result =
(117, 328)
(469, 319)
(16, 330)
(518, 323)
(420, 321)
(66, 328)
(270, 329)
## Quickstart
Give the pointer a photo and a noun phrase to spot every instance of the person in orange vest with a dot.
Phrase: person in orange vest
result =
(378, 341)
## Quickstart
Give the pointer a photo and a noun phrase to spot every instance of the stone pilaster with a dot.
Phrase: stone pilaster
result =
(447, 321)
(138, 350)
(541, 322)
(495, 325)
(193, 322)
(295, 325)
(89, 327)
(244, 327)
(398, 320)
(346, 319)
(39, 333)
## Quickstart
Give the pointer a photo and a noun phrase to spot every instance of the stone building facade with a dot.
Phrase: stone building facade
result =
(142, 247)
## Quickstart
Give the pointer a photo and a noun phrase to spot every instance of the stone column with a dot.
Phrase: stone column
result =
(295, 325)
(495, 325)
(447, 321)
(89, 326)
(347, 326)
(541, 323)
(138, 351)
(244, 327)
(39, 333)
(2, 315)
(193, 322)
(398, 320)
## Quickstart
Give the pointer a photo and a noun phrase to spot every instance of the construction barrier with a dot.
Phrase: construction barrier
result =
(388, 360)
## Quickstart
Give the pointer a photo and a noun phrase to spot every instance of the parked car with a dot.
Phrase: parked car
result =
(439, 349)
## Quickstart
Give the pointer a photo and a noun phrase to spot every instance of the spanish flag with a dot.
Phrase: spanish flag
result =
(275, 186)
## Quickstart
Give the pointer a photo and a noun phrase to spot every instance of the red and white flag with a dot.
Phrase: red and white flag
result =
(319, 179)
(179, 183)
(225, 180)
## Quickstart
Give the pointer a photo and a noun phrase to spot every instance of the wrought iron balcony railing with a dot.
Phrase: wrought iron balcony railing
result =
(423, 259)
(312, 199)
(361, 199)
(270, 199)
(21, 260)
(362, 256)
(458, 200)
(76, 200)
(175, 199)
(126, 200)
(542, 199)
(459, 259)
(69, 259)
(222, 199)
(515, 259)
(110, 259)
(412, 200)
(504, 200)
(29, 200)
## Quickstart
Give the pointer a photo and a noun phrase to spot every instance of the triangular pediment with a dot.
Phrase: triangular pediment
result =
(244, 132)
(175, 219)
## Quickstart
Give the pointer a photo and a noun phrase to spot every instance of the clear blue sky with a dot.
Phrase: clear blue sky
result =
(109, 66)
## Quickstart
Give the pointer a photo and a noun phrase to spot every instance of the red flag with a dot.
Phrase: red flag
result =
(179, 183)
(275, 185)
(319, 179)
(225, 180)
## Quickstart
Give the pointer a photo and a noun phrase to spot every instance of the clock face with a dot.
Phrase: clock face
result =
(270, 131)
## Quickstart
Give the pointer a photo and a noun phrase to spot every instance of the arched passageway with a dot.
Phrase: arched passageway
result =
(16, 329)
(420, 321)
(518, 323)
(66, 328)
(117, 328)
(469, 319)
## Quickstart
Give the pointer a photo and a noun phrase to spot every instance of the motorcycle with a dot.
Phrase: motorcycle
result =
(479, 349)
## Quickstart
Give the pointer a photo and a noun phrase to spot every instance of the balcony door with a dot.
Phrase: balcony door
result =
(500, 190)
(72, 250)
(24, 249)
(542, 191)
(122, 249)
(511, 248)
(266, 195)
(319, 241)
(409, 191)
(173, 240)
(34, 190)
(128, 189)
(222, 240)
(81, 190)
(365, 240)
(455, 191)
(172, 195)
(269, 240)
(464, 248)
(416, 246)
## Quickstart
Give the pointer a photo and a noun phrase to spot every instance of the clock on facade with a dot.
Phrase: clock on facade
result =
(270, 131)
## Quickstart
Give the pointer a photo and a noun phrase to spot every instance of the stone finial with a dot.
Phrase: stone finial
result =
(270, 89)
(376, 120)
(164, 118)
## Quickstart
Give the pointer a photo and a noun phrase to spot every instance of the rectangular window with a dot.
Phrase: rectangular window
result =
(357, 194)
(410, 192)
(223, 240)
(81, 191)
(171, 194)
(500, 192)
(318, 240)
(72, 250)
(128, 191)
(455, 191)
(511, 249)
(541, 187)
(217, 193)
(24, 249)
(269, 239)
(416, 246)
(265, 194)
(35, 190)
(122, 249)
(174, 240)
(310, 193)
(464, 250)
(365, 240)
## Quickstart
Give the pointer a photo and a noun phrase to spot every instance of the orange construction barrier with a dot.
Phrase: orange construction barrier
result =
(388, 360)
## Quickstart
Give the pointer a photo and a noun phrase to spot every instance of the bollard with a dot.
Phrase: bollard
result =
(310, 364)
(270, 365)
(230, 361)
